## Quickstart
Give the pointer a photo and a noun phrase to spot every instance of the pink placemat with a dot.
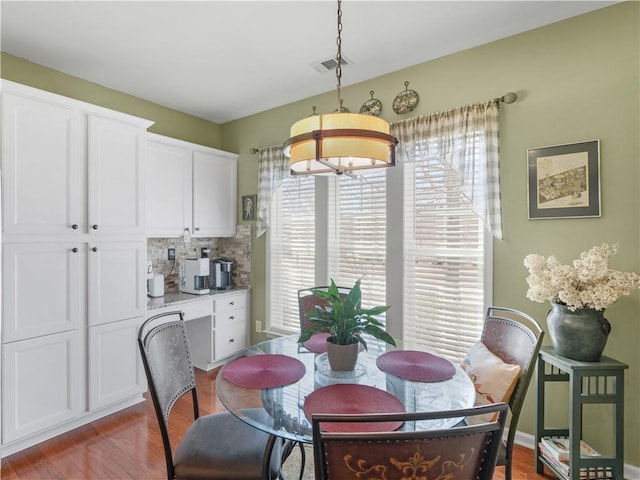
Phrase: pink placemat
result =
(318, 343)
(354, 399)
(416, 366)
(264, 371)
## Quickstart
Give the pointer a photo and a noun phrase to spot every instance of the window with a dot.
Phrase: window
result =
(358, 232)
(443, 288)
(291, 250)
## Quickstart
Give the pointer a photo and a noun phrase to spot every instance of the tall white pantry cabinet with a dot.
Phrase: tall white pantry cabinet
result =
(73, 256)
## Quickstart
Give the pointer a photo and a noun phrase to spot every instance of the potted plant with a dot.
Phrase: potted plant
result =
(345, 322)
(579, 294)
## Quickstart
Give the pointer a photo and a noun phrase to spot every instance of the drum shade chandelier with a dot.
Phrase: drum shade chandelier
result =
(339, 142)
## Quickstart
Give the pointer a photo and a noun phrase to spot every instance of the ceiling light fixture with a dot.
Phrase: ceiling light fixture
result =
(339, 142)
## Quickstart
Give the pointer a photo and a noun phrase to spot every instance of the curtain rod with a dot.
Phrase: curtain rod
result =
(509, 97)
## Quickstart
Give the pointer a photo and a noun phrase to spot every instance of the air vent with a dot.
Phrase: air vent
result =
(330, 64)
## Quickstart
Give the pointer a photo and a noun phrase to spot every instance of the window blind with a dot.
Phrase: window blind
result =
(443, 292)
(291, 251)
(358, 234)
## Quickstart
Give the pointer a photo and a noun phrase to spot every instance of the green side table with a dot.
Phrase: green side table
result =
(589, 383)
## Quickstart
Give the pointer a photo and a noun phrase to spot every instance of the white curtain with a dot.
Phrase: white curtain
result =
(273, 166)
(466, 139)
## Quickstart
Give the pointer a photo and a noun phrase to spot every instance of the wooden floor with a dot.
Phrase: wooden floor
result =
(127, 445)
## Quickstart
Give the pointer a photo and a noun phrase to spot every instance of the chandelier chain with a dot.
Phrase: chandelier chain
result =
(339, 55)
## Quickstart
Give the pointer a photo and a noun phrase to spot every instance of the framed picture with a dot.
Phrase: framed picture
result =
(249, 203)
(564, 180)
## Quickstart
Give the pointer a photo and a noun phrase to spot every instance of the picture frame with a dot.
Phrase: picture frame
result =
(564, 180)
(249, 204)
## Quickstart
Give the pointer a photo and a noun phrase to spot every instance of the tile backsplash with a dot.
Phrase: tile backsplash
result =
(237, 248)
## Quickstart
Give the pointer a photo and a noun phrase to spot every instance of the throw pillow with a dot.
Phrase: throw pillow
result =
(493, 379)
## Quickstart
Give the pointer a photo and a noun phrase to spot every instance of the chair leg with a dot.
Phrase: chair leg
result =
(303, 459)
(507, 469)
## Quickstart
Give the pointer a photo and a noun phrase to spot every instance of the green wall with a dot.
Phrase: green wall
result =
(576, 80)
(167, 121)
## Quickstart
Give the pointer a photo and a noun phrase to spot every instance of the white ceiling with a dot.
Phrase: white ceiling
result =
(223, 60)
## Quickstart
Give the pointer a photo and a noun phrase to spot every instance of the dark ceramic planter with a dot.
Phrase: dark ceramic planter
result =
(580, 335)
(342, 358)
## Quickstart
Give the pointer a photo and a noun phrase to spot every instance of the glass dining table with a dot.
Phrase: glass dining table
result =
(285, 404)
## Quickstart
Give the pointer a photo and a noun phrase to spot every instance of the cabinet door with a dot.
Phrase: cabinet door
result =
(41, 384)
(115, 369)
(44, 288)
(116, 177)
(43, 168)
(116, 281)
(168, 190)
(214, 194)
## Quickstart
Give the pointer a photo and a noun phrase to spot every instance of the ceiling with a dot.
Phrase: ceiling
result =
(223, 60)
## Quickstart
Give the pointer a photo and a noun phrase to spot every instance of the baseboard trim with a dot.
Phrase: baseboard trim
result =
(528, 441)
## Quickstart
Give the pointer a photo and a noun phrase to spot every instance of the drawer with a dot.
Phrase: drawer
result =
(230, 339)
(196, 309)
(229, 302)
(223, 319)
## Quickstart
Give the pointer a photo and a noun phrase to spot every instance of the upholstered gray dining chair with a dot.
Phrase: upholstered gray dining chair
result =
(215, 446)
(516, 338)
(463, 452)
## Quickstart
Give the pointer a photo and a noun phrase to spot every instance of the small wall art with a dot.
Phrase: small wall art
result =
(564, 180)
(249, 203)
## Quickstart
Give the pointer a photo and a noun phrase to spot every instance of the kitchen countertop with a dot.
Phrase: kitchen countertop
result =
(176, 298)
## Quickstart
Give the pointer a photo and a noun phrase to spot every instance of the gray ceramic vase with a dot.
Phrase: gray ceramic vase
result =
(342, 358)
(580, 335)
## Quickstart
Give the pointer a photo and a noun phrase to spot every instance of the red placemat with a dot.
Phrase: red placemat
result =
(416, 366)
(354, 399)
(264, 371)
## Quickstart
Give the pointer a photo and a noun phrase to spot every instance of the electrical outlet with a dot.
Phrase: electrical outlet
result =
(171, 253)
(258, 326)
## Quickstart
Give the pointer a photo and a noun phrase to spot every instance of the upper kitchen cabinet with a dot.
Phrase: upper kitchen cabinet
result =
(189, 188)
(69, 167)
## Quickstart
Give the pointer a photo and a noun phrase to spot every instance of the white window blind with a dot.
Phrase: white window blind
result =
(358, 234)
(443, 291)
(291, 251)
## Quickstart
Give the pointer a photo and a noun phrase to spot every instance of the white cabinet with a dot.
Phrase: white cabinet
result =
(115, 369)
(189, 188)
(42, 384)
(44, 288)
(231, 325)
(116, 281)
(73, 252)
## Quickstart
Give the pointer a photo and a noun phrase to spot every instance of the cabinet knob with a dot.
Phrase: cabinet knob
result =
(231, 340)
(197, 229)
(94, 249)
(74, 249)
(74, 226)
(232, 317)
(94, 226)
(232, 303)
(186, 229)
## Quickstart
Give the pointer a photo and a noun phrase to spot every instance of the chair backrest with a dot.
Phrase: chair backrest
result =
(167, 363)
(466, 452)
(515, 337)
(307, 301)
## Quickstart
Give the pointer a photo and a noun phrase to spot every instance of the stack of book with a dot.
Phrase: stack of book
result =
(555, 450)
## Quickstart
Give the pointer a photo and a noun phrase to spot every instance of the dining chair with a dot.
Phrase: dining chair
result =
(516, 338)
(215, 446)
(307, 301)
(463, 452)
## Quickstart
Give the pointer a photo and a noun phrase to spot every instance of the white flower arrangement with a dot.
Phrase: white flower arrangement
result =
(587, 283)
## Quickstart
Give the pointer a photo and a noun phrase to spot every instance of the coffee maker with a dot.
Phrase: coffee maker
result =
(196, 274)
(220, 277)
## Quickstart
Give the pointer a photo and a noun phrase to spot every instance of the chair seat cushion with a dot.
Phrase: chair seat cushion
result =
(494, 380)
(220, 446)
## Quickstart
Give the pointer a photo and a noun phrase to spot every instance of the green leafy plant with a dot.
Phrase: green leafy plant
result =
(343, 319)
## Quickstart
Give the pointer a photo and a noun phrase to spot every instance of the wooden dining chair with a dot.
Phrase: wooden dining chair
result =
(516, 338)
(216, 446)
(463, 452)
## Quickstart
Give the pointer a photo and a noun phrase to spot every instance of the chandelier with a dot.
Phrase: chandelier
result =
(339, 142)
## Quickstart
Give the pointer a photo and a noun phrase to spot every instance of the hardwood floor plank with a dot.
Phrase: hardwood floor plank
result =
(127, 446)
